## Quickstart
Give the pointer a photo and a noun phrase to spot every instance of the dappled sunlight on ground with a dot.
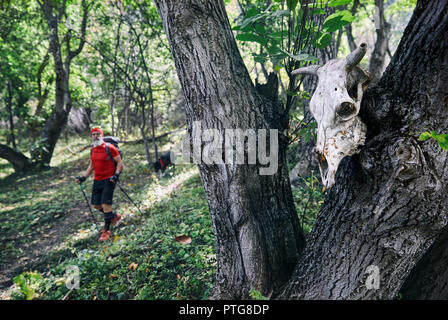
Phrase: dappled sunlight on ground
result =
(154, 192)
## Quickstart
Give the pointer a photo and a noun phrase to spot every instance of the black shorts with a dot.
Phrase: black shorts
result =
(102, 192)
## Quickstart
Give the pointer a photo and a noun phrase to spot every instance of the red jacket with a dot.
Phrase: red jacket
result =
(103, 167)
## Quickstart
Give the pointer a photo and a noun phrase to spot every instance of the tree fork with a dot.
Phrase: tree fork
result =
(388, 206)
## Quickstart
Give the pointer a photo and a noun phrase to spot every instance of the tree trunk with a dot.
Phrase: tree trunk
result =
(378, 58)
(153, 123)
(348, 29)
(257, 233)
(142, 127)
(54, 125)
(63, 103)
(42, 94)
(11, 117)
(114, 72)
(350, 39)
(388, 206)
(19, 162)
(428, 280)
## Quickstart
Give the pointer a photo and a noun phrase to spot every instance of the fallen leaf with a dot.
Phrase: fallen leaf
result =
(183, 239)
(133, 266)
(112, 276)
(116, 237)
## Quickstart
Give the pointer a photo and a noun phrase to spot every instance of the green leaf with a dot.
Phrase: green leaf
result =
(260, 28)
(260, 58)
(247, 21)
(433, 134)
(292, 4)
(442, 140)
(256, 295)
(251, 38)
(19, 280)
(292, 94)
(274, 50)
(277, 35)
(322, 40)
(336, 3)
(316, 11)
(337, 20)
(250, 13)
(424, 136)
(304, 57)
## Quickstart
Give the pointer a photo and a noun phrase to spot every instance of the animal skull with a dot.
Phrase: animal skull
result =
(335, 106)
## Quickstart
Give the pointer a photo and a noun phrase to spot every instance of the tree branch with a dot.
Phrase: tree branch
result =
(85, 12)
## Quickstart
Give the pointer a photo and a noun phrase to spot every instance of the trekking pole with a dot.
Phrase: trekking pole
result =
(88, 205)
(129, 198)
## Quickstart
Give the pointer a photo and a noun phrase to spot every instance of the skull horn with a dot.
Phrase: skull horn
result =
(307, 70)
(356, 56)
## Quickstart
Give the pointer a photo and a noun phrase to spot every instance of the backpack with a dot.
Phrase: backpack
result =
(114, 141)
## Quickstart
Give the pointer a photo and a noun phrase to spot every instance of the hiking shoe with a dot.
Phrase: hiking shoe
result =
(105, 234)
(115, 220)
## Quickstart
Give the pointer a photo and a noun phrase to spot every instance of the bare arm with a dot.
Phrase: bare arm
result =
(119, 163)
(87, 172)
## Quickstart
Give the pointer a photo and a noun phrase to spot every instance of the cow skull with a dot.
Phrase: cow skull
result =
(335, 106)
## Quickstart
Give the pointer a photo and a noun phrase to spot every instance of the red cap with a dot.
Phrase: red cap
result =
(97, 130)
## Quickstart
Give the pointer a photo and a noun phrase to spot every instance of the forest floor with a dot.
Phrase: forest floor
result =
(165, 253)
(45, 227)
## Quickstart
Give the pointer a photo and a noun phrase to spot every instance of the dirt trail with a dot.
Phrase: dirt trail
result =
(33, 250)
(60, 228)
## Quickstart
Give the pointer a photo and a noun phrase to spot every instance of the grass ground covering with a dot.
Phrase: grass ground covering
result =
(165, 253)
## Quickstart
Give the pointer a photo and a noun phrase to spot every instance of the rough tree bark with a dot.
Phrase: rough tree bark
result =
(387, 211)
(388, 206)
(19, 161)
(257, 233)
(42, 94)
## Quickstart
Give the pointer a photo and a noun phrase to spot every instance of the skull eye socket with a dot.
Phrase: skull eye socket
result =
(353, 92)
(346, 110)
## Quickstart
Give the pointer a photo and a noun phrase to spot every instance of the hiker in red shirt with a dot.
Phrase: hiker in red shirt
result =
(107, 171)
